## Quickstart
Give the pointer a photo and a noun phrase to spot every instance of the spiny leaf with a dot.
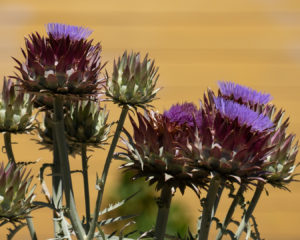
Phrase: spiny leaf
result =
(117, 205)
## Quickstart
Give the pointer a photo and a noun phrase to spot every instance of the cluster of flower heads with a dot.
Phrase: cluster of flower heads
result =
(236, 135)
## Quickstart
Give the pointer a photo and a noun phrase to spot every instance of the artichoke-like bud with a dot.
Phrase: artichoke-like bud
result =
(15, 109)
(46, 135)
(155, 153)
(133, 82)
(231, 141)
(64, 62)
(15, 196)
(280, 172)
(86, 123)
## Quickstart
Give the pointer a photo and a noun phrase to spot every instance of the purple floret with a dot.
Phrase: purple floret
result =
(184, 113)
(241, 92)
(244, 115)
(58, 30)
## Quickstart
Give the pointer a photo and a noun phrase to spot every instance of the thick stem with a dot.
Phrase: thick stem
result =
(59, 131)
(217, 201)
(31, 228)
(248, 214)
(208, 208)
(84, 160)
(230, 212)
(57, 188)
(105, 170)
(8, 148)
(163, 212)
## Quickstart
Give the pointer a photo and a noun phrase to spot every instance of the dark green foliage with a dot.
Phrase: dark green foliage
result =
(144, 205)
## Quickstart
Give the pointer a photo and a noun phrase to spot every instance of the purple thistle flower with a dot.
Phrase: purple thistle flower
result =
(244, 93)
(243, 114)
(184, 113)
(58, 30)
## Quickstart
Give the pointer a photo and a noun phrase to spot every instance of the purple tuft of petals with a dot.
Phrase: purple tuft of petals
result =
(243, 114)
(245, 93)
(184, 113)
(58, 31)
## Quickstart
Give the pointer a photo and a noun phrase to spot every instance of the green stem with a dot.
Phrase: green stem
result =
(8, 148)
(217, 201)
(86, 186)
(248, 214)
(57, 189)
(230, 212)
(163, 213)
(59, 131)
(31, 228)
(208, 207)
(105, 170)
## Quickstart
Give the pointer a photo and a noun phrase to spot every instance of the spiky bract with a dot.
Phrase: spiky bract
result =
(15, 109)
(133, 82)
(15, 196)
(60, 64)
(154, 153)
(86, 123)
(282, 161)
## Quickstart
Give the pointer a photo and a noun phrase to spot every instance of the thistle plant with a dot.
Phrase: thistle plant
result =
(155, 153)
(132, 85)
(236, 139)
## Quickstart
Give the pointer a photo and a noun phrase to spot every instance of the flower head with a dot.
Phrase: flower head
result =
(154, 152)
(59, 31)
(243, 114)
(15, 196)
(45, 134)
(226, 145)
(133, 81)
(62, 63)
(86, 123)
(15, 109)
(244, 94)
(184, 113)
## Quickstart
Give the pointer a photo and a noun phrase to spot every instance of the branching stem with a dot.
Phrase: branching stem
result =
(59, 131)
(248, 214)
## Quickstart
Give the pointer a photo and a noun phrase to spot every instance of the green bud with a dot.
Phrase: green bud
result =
(15, 109)
(15, 196)
(133, 82)
(86, 123)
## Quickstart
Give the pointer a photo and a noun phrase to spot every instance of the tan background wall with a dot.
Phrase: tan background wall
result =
(195, 43)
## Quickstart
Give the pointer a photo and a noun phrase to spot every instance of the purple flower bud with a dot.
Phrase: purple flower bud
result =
(243, 114)
(184, 113)
(58, 30)
(246, 94)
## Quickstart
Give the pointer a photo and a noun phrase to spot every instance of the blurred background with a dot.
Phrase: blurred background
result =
(195, 43)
